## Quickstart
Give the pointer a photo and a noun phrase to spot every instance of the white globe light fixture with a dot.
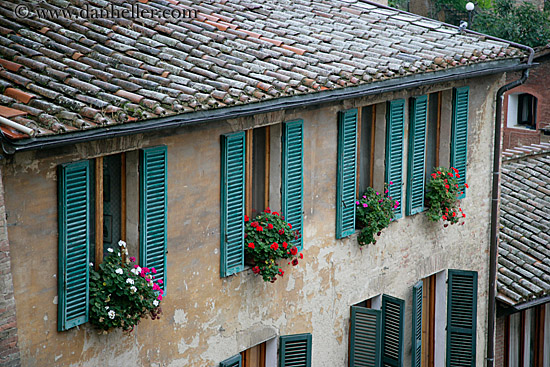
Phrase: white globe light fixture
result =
(470, 6)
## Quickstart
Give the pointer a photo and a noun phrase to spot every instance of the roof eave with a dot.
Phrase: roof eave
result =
(175, 121)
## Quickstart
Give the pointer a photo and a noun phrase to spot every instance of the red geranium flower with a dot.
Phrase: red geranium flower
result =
(281, 272)
(267, 210)
(256, 269)
(444, 217)
(259, 228)
(466, 185)
(281, 231)
(289, 225)
(274, 246)
(251, 245)
(285, 245)
(270, 226)
(246, 219)
(295, 262)
(254, 224)
(275, 213)
(294, 250)
(447, 186)
(301, 255)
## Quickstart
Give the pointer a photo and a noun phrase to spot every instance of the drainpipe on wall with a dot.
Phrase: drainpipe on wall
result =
(495, 206)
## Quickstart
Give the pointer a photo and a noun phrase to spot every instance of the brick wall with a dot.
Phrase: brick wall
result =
(9, 351)
(500, 340)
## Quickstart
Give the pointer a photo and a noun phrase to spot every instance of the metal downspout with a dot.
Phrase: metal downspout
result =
(495, 206)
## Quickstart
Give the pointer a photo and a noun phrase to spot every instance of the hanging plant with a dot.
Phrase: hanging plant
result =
(121, 294)
(268, 241)
(442, 193)
(374, 212)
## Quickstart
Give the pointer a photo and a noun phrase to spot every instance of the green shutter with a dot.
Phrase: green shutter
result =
(347, 168)
(417, 155)
(459, 132)
(292, 176)
(461, 318)
(417, 325)
(365, 337)
(232, 208)
(295, 350)
(235, 361)
(152, 210)
(393, 323)
(74, 194)
(395, 127)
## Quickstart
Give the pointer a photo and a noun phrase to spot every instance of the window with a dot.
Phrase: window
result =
(257, 170)
(254, 357)
(366, 144)
(522, 111)
(433, 133)
(459, 132)
(526, 344)
(295, 350)
(376, 332)
(92, 217)
(245, 186)
(416, 154)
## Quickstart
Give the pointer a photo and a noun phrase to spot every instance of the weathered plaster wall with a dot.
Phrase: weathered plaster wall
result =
(207, 319)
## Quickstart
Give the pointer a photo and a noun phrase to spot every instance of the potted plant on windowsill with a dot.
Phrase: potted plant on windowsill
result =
(374, 212)
(442, 193)
(268, 241)
(122, 293)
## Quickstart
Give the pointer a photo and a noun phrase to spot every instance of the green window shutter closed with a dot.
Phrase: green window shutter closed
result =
(153, 208)
(74, 193)
(417, 325)
(395, 127)
(292, 176)
(393, 323)
(461, 318)
(295, 350)
(347, 163)
(365, 337)
(417, 155)
(232, 208)
(235, 361)
(459, 132)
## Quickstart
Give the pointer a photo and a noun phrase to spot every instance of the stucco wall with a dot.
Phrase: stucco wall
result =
(207, 319)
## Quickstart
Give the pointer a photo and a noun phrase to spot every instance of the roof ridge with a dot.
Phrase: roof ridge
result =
(518, 153)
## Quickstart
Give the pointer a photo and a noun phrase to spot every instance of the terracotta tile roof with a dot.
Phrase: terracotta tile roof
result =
(76, 73)
(524, 248)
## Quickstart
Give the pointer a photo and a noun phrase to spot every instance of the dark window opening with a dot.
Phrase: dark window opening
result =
(527, 110)
(366, 149)
(257, 162)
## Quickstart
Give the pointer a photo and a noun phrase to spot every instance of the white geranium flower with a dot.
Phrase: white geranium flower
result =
(134, 271)
(130, 281)
(91, 264)
(138, 269)
(106, 307)
(119, 271)
(121, 243)
(110, 249)
(118, 254)
(155, 303)
(111, 314)
(133, 289)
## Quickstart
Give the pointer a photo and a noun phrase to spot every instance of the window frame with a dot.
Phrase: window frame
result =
(250, 167)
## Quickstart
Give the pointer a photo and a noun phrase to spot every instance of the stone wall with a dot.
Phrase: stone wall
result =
(9, 350)
(207, 319)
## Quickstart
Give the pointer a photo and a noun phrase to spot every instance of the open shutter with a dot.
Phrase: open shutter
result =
(295, 350)
(393, 323)
(417, 155)
(417, 325)
(461, 318)
(292, 175)
(152, 210)
(232, 208)
(347, 163)
(365, 337)
(74, 194)
(235, 361)
(459, 132)
(395, 127)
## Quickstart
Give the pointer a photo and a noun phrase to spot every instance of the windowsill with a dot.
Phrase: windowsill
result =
(522, 127)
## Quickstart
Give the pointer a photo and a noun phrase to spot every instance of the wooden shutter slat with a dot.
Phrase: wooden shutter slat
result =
(295, 350)
(232, 208)
(347, 163)
(393, 322)
(417, 155)
(459, 132)
(461, 318)
(74, 194)
(292, 176)
(395, 129)
(153, 209)
(417, 325)
(235, 361)
(365, 337)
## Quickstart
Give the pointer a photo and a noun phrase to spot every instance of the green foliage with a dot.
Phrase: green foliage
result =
(522, 23)
(374, 212)
(442, 194)
(267, 240)
(122, 294)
